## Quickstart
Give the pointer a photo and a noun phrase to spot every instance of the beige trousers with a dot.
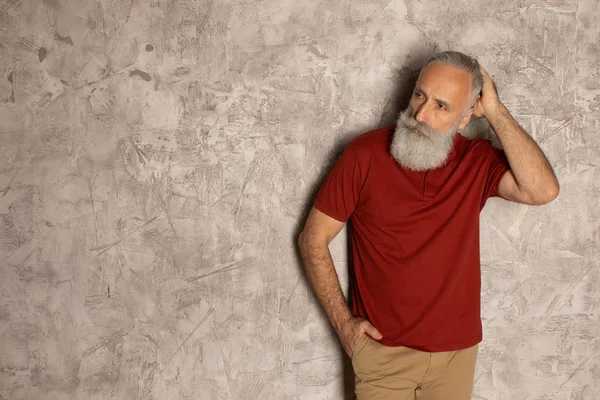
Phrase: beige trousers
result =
(402, 373)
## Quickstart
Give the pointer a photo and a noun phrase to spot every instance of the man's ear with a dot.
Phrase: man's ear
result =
(467, 118)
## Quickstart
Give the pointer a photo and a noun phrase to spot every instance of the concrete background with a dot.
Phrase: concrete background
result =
(157, 159)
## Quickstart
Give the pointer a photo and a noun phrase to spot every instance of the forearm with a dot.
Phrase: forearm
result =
(532, 171)
(324, 280)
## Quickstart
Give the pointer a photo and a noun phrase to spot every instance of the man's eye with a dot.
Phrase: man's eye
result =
(418, 95)
(441, 107)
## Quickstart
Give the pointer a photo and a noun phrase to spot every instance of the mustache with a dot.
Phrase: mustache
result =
(411, 123)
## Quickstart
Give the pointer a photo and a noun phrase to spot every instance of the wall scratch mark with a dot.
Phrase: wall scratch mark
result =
(29, 46)
(200, 28)
(249, 173)
(93, 209)
(117, 72)
(22, 263)
(576, 281)
(504, 235)
(166, 211)
(324, 358)
(293, 291)
(563, 125)
(539, 64)
(141, 155)
(376, 15)
(14, 4)
(225, 362)
(226, 268)
(109, 246)
(192, 333)
(103, 342)
(581, 365)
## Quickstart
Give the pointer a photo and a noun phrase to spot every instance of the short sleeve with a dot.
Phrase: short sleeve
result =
(340, 192)
(497, 168)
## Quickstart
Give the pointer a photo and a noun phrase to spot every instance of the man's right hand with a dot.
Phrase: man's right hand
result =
(353, 329)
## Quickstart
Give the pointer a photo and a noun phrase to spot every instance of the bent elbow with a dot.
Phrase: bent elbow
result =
(553, 193)
(547, 196)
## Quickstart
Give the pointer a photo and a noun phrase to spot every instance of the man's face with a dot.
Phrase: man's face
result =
(437, 109)
(441, 96)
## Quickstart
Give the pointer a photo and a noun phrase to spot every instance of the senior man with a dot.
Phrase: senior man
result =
(413, 193)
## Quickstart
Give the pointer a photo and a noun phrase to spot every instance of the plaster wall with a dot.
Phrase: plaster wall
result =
(157, 159)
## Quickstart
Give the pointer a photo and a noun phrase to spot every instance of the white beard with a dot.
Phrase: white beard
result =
(420, 152)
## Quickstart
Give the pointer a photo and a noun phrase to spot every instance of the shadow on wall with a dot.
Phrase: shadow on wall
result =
(405, 79)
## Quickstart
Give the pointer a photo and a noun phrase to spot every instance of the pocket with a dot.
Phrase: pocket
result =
(361, 343)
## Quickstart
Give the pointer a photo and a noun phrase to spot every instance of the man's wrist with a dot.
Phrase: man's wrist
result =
(340, 322)
(494, 111)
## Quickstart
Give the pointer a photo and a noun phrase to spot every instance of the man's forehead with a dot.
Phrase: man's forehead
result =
(448, 81)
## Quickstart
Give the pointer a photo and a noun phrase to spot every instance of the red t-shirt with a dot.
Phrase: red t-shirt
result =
(415, 238)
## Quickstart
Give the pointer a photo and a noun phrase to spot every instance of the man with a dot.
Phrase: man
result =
(413, 193)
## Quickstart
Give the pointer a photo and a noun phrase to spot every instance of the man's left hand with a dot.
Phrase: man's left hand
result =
(488, 103)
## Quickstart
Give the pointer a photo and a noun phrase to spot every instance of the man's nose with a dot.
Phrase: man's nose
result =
(421, 115)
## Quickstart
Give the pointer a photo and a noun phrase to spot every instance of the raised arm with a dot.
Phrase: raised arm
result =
(319, 231)
(530, 179)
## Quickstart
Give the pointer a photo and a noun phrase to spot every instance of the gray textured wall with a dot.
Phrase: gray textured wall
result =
(157, 159)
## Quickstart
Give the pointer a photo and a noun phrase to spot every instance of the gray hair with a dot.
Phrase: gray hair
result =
(464, 62)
